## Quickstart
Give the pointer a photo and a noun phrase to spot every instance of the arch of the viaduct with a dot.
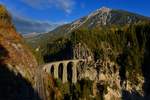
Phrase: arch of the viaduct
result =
(64, 70)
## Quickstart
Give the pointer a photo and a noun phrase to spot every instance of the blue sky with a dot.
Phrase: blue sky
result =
(60, 11)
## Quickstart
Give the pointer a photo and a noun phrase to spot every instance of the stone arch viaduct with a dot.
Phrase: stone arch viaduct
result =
(65, 70)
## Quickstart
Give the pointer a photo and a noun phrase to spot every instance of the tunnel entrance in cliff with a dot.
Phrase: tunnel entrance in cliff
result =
(70, 71)
(60, 71)
(52, 70)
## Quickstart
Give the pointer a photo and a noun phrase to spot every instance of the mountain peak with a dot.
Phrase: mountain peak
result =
(104, 9)
(103, 14)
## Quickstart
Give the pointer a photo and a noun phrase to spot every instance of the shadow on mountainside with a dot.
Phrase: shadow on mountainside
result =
(134, 95)
(13, 86)
(61, 52)
(146, 70)
(146, 74)
(126, 95)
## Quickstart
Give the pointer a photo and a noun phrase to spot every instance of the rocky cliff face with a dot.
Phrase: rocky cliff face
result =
(110, 77)
(17, 64)
(81, 51)
(20, 76)
(110, 80)
(18, 55)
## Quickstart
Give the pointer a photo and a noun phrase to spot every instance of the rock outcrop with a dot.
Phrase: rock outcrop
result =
(17, 64)
(107, 78)
(18, 55)
(81, 51)
(20, 76)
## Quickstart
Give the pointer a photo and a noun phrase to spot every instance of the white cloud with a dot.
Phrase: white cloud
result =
(65, 5)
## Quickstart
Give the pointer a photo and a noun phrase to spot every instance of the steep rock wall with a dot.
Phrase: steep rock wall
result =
(17, 64)
(110, 79)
